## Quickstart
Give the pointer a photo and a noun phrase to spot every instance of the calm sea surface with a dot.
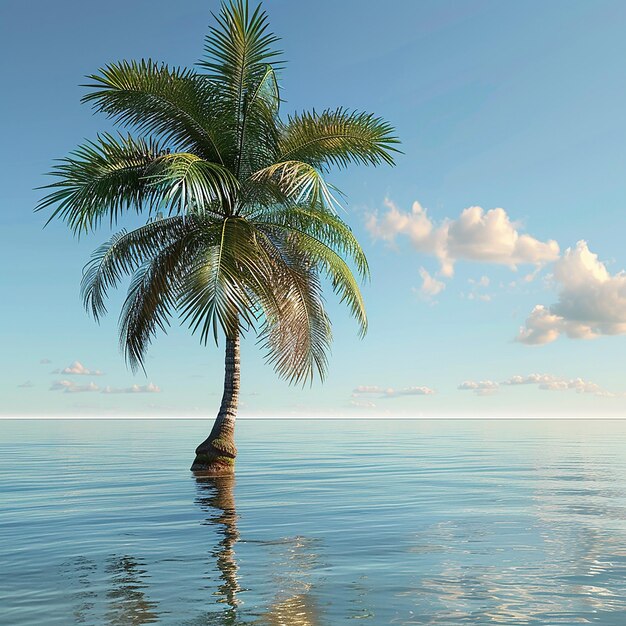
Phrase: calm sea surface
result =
(389, 522)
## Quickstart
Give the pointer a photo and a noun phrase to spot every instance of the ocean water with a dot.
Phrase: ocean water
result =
(383, 521)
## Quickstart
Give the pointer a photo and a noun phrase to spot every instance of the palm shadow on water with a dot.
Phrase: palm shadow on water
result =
(215, 495)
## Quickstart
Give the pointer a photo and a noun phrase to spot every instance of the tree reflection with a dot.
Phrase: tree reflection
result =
(128, 603)
(216, 497)
(124, 600)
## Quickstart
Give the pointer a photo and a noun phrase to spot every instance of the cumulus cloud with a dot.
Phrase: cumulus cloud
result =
(531, 379)
(78, 369)
(483, 297)
(591, 302)
(483, 281)
(479, 387)
(390, 392)
(45, 361)
(476, 235)
(69, 386)
(430, 285)
(363, 404)
(545, 382)
(476, 289)
(149, 388)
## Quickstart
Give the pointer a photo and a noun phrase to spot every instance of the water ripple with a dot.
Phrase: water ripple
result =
(389, 522)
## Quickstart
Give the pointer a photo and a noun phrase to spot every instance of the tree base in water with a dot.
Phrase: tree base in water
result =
(210, 465)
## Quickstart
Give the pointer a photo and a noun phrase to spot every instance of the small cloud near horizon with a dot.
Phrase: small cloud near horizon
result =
(45, 361)
(390, 392)
(545, 382)
(479, 387)
(149, 388)
(78, 369)
(69, 386)
(26, 385)
(362, 404)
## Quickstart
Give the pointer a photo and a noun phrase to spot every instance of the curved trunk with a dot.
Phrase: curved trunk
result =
(216, 454)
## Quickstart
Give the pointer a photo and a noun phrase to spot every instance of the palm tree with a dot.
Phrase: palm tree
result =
(241, 225)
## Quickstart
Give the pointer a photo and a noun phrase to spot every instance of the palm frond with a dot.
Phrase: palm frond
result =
(239, 48)
(295, 182)
(101, 179)
(325, 259)
(104, 178)
(215, 294)
(324, 226)
(258, 132)
(338, 137)
(124, 253)
(187, 182)
(296, 333)
(266, 92)
(238, 52)
(151, 299)
(176, 105)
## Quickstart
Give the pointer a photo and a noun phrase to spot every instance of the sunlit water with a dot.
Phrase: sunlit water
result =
(389, 522)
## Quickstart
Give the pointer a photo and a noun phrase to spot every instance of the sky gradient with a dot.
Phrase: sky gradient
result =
(496, 245)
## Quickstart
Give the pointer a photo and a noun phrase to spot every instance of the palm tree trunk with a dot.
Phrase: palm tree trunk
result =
(215, 456)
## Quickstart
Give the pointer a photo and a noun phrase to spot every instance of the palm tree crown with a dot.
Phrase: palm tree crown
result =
(241, 229)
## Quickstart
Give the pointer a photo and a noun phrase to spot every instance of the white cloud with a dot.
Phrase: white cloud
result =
(483, 297)
(45, 361)
(390, 392)
(545, 382)
(476, 235)
(591, 301)
(69, 386)
(78, 369)
(476, 286)
(412, 391)
(480, 387)
(367, 389)
(541, 327)
(483, 281)
(362, 404)
(149, 388)
(26, 384)
(430, 285)
(531, 379)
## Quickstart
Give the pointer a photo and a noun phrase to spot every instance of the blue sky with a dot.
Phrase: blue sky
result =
(499, 105)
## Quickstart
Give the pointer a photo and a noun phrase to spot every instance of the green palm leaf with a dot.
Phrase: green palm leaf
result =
(338, 137)
(326, 260)
(176, 105)
(320, 224)
(239, 48)
(187, 182)
(296, 333)
(102, 179)
(215, 295)
(295, 182)
(124, 253)
(151, 299)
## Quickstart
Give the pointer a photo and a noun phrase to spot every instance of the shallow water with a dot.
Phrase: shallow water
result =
(389, 522)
